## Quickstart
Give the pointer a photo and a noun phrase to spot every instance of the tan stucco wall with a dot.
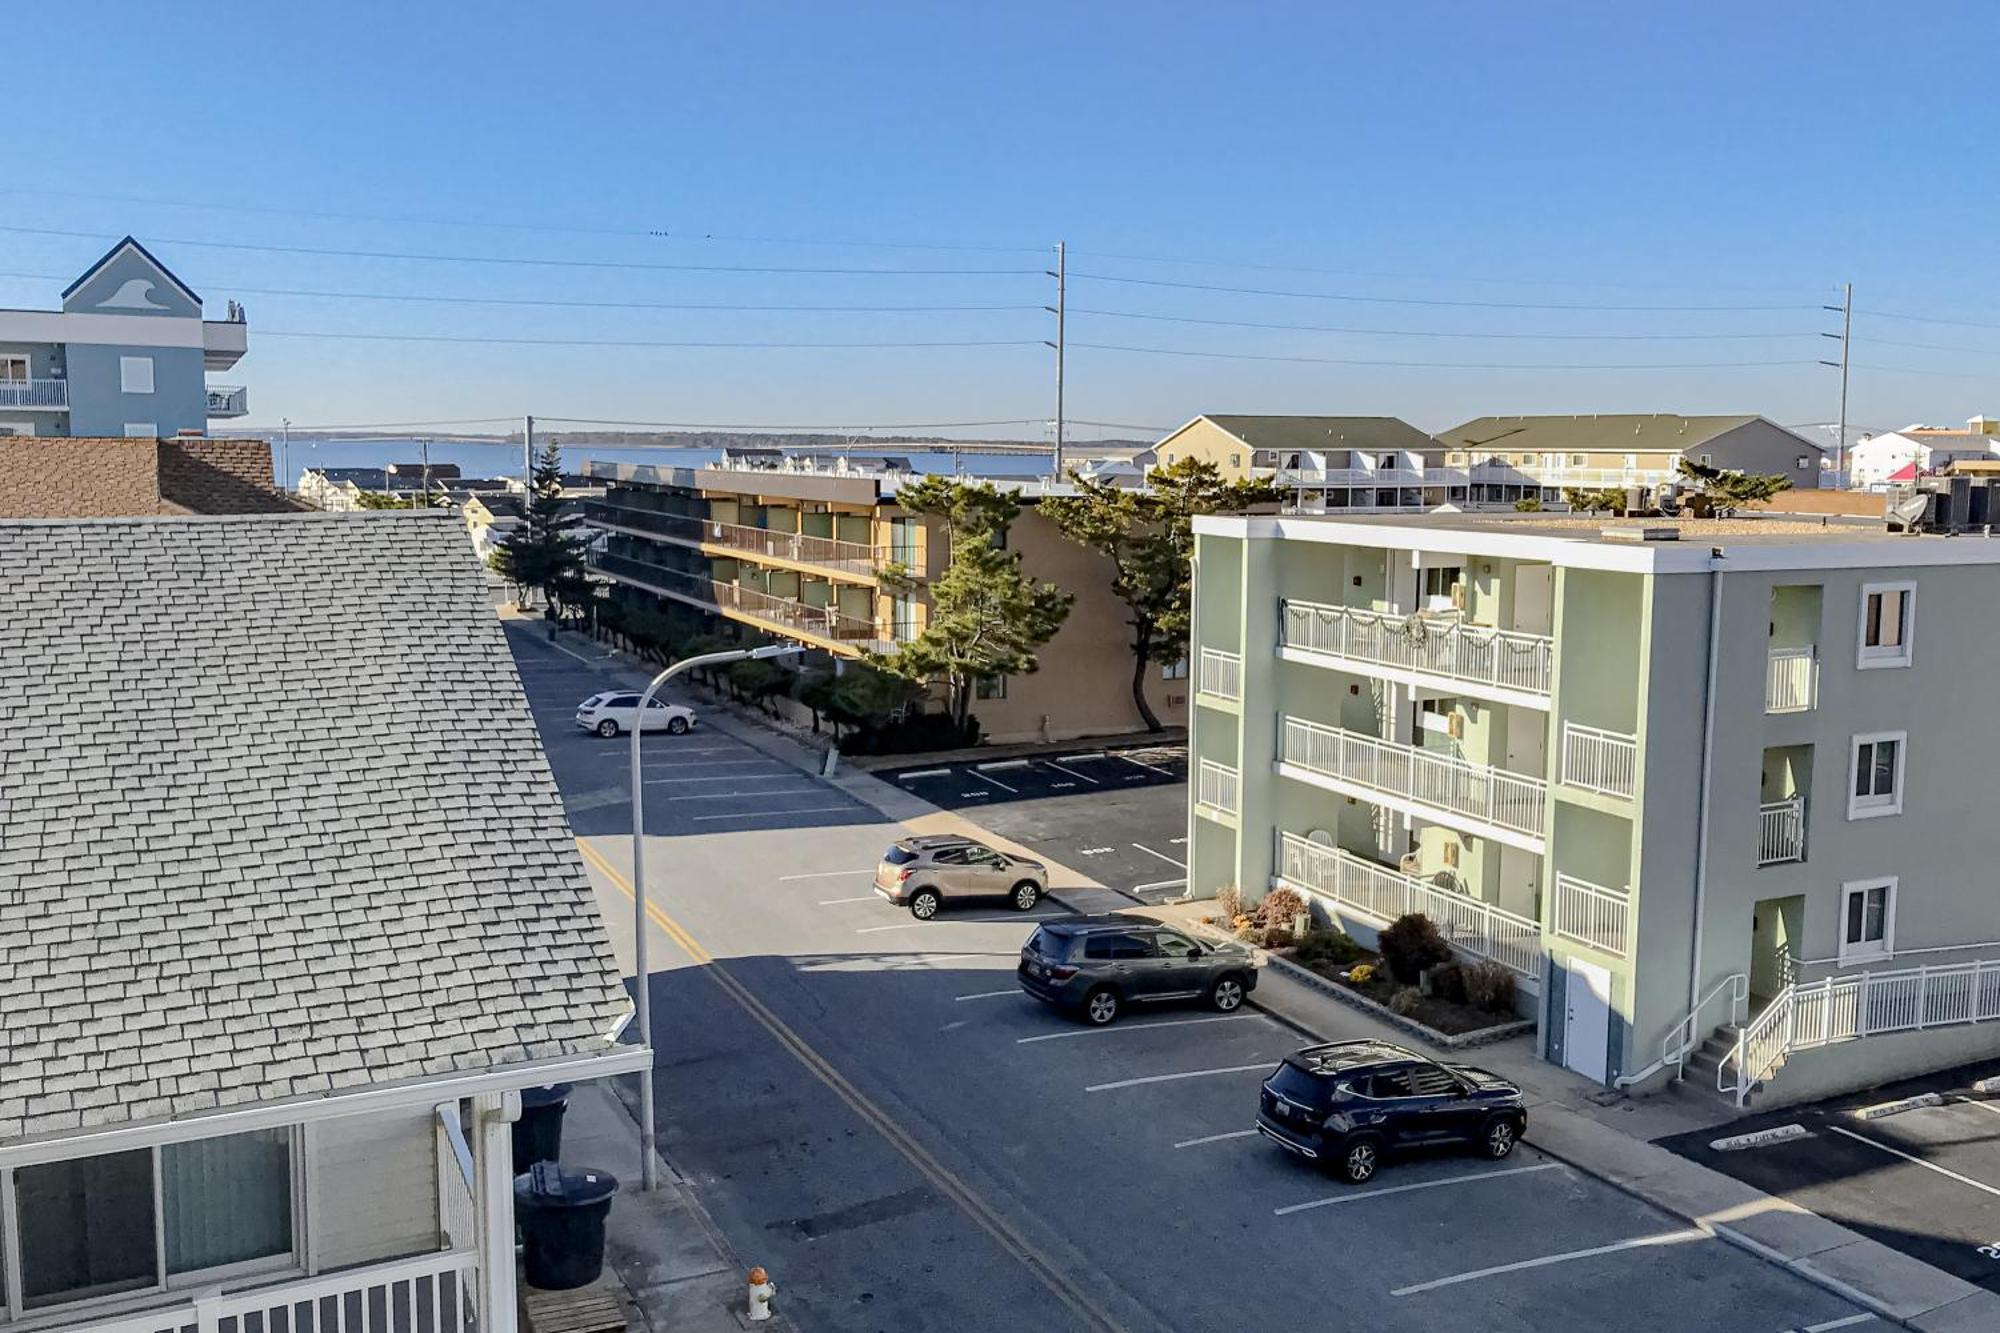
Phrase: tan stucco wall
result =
(1207, 441)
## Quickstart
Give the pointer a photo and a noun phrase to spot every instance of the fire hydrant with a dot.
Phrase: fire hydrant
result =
(762, 1289)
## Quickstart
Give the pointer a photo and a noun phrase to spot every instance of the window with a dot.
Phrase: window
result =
(1117, 945)
(1887, 617)
(1576, 460)
(1867, 920)
(903, 618)
(1172, 945)
(14, 370)
(990, 687)
(1174, 670)
(1236, 460)
(1803, 463)
(1394, 1083)
(135, 374)
(1438, 581)
(952, 856)
(981, 856)
(141, 430)
(624, 701)
(1430, 1081)
(1877, 786)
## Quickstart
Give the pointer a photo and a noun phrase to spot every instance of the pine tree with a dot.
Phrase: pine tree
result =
(544, 553)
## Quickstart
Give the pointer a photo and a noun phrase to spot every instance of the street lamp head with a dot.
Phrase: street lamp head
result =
(776, 650)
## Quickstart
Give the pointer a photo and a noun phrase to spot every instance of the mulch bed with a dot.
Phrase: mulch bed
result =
(1446, 1016)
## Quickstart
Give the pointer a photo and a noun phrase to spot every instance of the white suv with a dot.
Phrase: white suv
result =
(609, 714)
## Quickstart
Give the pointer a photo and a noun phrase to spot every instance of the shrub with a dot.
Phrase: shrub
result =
(1278, 937)
(1280, 908)
(1229, 901)
(1362, 975)
(1410, 944)
(1448, 983)
(1490, 986)
(1327, 947)
(1406, 1001)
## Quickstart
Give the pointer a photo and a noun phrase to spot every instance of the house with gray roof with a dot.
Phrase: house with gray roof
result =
(1325, 463)
(293, 914)
(1538, 457)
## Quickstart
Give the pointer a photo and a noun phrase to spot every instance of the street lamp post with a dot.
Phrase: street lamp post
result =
(648, 1166)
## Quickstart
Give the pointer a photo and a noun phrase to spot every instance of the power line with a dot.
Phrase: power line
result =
(1927, 319)
(632, 342)
(1417, 300)
(388, 425)
(1436, 333)
(1449, 365)
(1929, 347)
(804, 430)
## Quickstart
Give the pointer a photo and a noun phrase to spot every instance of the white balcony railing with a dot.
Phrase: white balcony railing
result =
(1592, 914)
(1438, 782)
(1376, 891)
(769, 543)
(35, 395)
(784, 614)
(1215, 786)
(1781, 831)
(1606, 762)
(1789, 679)
(381, 1298)
(1434, 645)
(1219, 673)
(228, 400)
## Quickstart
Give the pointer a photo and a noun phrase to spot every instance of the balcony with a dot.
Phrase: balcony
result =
(1435, 651)
(1605, 762)
(853, 559)
(1486, 801)
(1781, 831)
(1376, 891)
(1215, 789)
(1219, 675)
(35, 395)
(1592, 914)
(1789, 680)
(228, 400)
(378, 1298)
(822, 625)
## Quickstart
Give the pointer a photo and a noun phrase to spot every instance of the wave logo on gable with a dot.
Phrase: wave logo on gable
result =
(133, 294)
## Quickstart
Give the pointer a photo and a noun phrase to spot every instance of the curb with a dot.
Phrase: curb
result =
(1881, 1109)
(1758, 1138)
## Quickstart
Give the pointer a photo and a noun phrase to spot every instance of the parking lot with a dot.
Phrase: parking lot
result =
(1925, 1181)
(1117, 815)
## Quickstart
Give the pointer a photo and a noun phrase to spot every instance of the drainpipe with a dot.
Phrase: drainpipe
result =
(1707, 766)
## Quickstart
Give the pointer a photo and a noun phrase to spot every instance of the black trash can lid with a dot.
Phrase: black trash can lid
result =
(555, 1092)
(547, 1185)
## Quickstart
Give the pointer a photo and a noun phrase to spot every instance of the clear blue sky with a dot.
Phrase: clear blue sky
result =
(1690, 154)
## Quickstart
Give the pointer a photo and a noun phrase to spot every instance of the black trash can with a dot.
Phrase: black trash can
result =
(561, 1215)
(538, 1133)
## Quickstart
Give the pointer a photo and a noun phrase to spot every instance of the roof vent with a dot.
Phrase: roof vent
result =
(1656, 533)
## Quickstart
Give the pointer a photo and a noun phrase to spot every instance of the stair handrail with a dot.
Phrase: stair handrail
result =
(1684, 1036)
(1779, 1010)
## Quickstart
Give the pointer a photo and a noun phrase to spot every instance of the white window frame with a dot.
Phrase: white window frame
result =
(1856, 808)
(142, 430)
(1174, 670)
(27, 367)
(1867, 658)
(132, 370)
(1869, 951)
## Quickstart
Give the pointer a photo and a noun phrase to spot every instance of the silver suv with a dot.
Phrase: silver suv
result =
(924, 873)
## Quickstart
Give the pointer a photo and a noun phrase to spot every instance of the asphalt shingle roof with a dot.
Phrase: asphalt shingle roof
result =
(1615, 431)
(1369, 433)
(274, 821)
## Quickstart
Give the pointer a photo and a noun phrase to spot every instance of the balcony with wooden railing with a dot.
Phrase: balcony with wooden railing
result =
(855, 560)
(787, 617)
(1441, 651)
(1481, 799)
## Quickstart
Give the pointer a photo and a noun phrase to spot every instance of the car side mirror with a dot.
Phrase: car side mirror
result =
(1196, 951)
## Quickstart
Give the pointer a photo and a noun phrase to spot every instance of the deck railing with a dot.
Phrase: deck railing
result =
(1219, 673)
(1592, 914)
(1216, 786)
(1606, 762)
(1781, 831)
(1433, 644)
(1513, 801)
(780, 612)
(1788, 680)
(797, 547)
(48, 395)
(432, 1293)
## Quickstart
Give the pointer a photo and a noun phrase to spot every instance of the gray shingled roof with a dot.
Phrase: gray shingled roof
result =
(1614, 431)
(1280, 432)
(274, 821)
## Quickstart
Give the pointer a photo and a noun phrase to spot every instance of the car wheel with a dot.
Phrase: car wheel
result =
(1226, 995)
(607, 728)
(1499, 1138)
(677, 726)
(1357, 1161)
(924, 904)
(1101, 1006)
(1026, 894)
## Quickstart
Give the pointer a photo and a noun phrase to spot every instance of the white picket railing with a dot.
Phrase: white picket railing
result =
(1606, 762)
(432, 1292)
(1592, 914)
(1788, 680)
(457, 1216)
(1219, 673)
(1474, 927)
(1215, 786)
(1781, 831)
(1437, 645)
(1436, 781)
(1836, 1009)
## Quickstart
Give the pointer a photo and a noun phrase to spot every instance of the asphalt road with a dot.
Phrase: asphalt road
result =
(871, 1109)
(1120, 816)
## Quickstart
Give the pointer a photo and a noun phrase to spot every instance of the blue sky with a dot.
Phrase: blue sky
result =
(1710, 155)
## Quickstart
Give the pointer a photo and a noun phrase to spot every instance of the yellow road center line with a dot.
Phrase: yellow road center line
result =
(948, 1184)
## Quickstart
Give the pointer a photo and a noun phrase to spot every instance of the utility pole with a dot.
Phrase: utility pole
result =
(528, 454)
(427, 472)
(1059, 310)
(1846, 312)
(285, 455)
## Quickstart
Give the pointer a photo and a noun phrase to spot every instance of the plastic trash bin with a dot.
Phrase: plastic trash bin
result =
(538, 1133)
(561, 1215)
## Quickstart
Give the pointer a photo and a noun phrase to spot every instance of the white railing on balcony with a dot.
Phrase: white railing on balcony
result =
(771, 543)
(1592, 914)
(1781, 831)
(1837, 1009)
(433, 1293)
(762, 608)
(1433, 644)
(228, 400)
(457, 1215)
(1219, 673)
(1789, 679)
(1438, 782)
(1386, 477)
(1361, 885)
(1540, 473)
(44, 395)
(1606, 762)
(1215, 786)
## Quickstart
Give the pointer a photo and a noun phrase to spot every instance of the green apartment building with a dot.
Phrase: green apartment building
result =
(1717, 791)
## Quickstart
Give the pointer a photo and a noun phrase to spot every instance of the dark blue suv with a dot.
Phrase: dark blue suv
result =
(1346, 1104)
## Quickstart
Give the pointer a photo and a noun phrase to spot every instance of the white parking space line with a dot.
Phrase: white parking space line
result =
(568, 652)
(733, 795)
(926, 773)
(1353, 1195)
(765, 814)
(1162, 855)
(1134, 1027)
(726, 777)
(1217, 1138)
(836, 902)
(1153, 768)
(823, 874)
(1908, 1157)
(985, 995)
(1073, 773)
(1262, 1066)
(1636, 1243)
(1831, 1324)
(877, 930)
(995, 781)
(1984, 1106)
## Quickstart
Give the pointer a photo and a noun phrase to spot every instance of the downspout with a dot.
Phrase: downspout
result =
(1707, 766)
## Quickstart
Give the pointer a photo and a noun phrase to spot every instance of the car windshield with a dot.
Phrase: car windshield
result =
(1049, 944)
(899, 855)
(1296, 1085)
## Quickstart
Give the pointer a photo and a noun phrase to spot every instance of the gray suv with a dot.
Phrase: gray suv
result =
(926, 872)
(1096, 965)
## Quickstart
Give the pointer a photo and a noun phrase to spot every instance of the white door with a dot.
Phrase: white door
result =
(1587, 1024)
(1534, 599)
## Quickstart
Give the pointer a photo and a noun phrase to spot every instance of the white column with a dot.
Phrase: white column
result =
(493, 1156)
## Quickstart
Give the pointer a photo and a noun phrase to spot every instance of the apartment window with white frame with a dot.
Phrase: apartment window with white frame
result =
(135, 374)
(141, 430)
(1174, 670)
(1888, 615)
(1877, 775)
(14, 370)
(1867, 920)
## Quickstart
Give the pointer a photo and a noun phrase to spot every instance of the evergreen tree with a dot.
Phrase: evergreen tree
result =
(544, 553)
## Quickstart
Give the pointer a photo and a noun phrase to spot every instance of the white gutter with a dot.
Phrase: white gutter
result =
(1707, 765)
(365, 1101)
